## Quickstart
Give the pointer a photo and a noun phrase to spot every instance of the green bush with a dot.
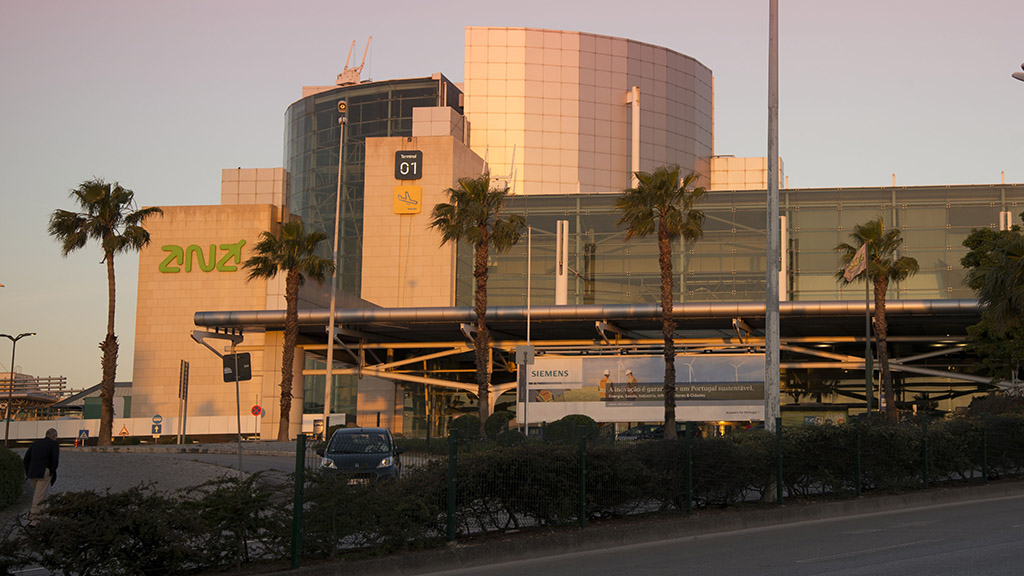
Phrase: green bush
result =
(12, 477)
(497, 423)
(511, 487)
(467, 425)
(566, 430)
(376, 518)
(132, 532)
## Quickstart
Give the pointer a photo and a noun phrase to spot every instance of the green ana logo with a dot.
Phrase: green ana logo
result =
(178, 258)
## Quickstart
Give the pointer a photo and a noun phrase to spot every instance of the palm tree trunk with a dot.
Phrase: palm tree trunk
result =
(108, 360)
(881, 333)
(482, 342)
(668, 329)
(291, 336)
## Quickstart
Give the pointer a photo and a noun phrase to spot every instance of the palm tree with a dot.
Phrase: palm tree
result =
(995, 261)
(294, 253)
(995, 264)
(882, 267)
(474, 212)
(109, 216)
(663, 204)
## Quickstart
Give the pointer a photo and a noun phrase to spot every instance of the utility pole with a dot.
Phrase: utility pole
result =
(771, 331)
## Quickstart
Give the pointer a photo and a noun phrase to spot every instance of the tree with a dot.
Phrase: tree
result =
(109, 216)
(995, 265)
(475, 213)
(883, 267)
(292, 252)
(663, 204)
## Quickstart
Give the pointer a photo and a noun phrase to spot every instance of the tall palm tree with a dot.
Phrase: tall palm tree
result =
(663, 204)
(293, 252)
(883, 267)
(108, 215)
(475, 213)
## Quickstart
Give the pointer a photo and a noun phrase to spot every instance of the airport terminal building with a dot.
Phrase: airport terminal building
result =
(563, 119)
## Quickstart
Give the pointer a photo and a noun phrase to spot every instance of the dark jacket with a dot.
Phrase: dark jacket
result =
(42, 454)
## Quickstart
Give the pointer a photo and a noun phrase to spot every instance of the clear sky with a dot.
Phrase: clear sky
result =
(161, 96)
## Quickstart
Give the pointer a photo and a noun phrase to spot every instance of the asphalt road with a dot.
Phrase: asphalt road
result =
(968, 538)
(87, 469)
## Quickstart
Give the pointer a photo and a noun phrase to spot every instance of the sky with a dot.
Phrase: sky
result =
(161, 95)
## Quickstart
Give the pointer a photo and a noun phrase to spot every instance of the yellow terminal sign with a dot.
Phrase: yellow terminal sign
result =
(408, 199)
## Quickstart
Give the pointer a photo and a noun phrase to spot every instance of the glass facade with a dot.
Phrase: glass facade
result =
(344, 389)
(311, 155)
(728, 263)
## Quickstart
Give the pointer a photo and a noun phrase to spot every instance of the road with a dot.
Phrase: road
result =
(980, 537)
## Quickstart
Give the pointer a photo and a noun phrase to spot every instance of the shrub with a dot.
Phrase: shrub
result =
(467, 425)
(132, 532)
(511, 487)
(12, 477)
(566, 430)
(497, 423)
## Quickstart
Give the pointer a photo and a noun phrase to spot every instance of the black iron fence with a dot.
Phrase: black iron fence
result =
(458, 487)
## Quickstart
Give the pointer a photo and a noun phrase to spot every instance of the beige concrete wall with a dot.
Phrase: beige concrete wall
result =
(252, 186)
(167, 302)
(404, 264)
(731, 173)
(556, 101)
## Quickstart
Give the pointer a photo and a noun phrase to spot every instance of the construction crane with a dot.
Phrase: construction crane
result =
(351, 76)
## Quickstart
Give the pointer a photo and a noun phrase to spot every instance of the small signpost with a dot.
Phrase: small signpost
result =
(257, 411)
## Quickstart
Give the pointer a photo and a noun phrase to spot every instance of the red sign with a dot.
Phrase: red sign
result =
(256, 410)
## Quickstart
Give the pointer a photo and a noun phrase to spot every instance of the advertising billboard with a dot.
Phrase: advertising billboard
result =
(709, 387)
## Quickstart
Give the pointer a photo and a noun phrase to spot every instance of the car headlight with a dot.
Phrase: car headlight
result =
(387, 461)
(328, 463)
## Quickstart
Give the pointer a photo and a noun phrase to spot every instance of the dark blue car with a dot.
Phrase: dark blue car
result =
(364, 454)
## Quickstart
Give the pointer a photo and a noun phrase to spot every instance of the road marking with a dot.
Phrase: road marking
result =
(866, 531)
(866, 551)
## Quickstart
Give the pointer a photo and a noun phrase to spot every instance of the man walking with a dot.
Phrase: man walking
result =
(41, 460)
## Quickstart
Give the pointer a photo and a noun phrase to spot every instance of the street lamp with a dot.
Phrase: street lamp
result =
(1019, 75)
(329, 376)
(10, 382)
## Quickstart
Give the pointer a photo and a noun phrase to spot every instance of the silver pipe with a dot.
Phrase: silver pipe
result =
(312, 317)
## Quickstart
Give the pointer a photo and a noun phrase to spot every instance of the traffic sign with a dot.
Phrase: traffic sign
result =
(157, 429)
(123, 432)
(257, 410)
(83, 434)
(244, 364)
(157, 419)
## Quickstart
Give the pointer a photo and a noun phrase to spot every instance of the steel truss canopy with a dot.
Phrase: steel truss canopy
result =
(927, 336)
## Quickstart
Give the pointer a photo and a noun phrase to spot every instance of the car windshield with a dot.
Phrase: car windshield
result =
(360, 443)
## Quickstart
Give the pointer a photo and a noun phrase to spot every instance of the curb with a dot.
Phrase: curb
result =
(247, 450)
(497, 548)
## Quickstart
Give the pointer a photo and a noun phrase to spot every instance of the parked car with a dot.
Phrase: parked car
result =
(365, 454)
(639, 432)
(650, 432)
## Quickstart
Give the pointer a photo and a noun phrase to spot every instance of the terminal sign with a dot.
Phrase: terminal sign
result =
(408, 165)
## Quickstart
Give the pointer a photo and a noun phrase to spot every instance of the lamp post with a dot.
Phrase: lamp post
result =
(1019, 75)
(329, 375)
(10, 382)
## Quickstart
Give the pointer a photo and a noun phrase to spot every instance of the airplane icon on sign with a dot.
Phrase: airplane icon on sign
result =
(407, 198)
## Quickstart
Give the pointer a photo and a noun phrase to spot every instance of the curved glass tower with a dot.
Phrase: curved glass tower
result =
(311, 154)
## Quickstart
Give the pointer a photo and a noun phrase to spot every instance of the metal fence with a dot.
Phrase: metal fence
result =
(457, 488)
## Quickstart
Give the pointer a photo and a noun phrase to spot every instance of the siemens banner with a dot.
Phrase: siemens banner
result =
(630, 388)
